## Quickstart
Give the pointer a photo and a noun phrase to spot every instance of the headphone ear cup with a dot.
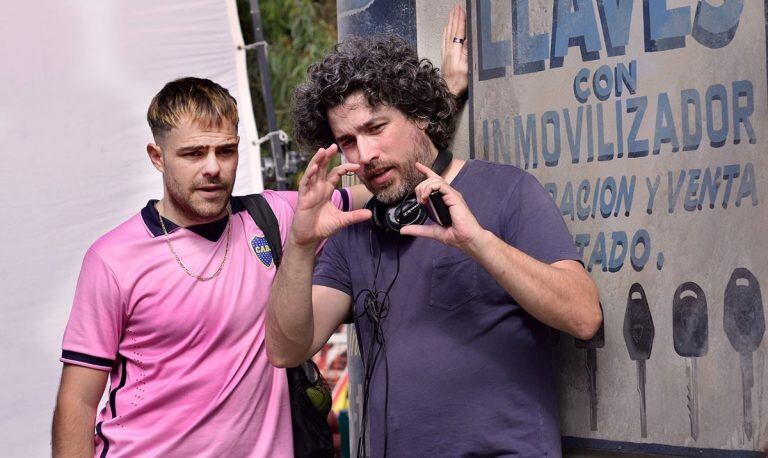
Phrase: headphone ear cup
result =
(379, 211)
(406, 213)
(388, 218)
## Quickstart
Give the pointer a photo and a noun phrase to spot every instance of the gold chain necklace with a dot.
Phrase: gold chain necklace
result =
(178, 259)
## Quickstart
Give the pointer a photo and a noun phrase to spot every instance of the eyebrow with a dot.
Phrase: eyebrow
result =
(191, 148)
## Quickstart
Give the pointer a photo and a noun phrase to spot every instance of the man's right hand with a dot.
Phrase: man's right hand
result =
(316, 217)
(294, 332)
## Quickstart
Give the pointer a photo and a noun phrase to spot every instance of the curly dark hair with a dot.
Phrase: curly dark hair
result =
(388, 72)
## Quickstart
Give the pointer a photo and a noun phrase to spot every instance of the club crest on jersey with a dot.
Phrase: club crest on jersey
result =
(262, 250)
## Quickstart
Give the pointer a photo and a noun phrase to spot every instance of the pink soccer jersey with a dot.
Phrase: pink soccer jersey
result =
(189, 374)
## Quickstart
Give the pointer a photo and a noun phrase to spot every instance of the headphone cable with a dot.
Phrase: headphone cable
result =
(376, 310)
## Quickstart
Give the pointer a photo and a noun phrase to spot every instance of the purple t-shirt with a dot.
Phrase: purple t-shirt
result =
(464, 369)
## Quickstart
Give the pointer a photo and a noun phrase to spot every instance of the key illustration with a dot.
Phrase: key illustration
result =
(638, 336)
(690, 334)
(744, 324)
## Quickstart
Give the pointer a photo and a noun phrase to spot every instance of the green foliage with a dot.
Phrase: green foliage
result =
(299, 32)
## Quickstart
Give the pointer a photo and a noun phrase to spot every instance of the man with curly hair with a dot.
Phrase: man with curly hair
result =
(454, 321)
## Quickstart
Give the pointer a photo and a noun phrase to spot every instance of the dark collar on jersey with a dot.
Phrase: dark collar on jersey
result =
(211, 231)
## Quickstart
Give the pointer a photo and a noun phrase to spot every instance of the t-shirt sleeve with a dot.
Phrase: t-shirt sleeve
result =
(96, 321)
(540, 231)
(332, 269)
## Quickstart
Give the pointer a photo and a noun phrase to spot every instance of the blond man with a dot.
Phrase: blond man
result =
(170, 306)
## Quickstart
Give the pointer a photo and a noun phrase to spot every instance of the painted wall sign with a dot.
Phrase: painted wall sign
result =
(647, 121)
(373, 17)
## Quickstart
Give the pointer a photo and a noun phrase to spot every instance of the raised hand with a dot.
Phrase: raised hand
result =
(455, 67)
(464, 228)
(316, 217)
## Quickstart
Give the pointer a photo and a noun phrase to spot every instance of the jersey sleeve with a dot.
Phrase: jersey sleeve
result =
(92, 335)
(540, 231)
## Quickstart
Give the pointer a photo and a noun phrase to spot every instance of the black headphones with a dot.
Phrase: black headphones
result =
(392, 217)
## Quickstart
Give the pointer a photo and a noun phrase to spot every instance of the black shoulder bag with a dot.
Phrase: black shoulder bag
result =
(311, 433)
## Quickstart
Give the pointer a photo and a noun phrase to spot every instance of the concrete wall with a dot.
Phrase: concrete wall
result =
(638, 121)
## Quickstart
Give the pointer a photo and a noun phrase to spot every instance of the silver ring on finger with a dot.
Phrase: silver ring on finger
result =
(459, 40)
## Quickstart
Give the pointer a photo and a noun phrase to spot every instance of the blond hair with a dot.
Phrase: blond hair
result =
(204, 101)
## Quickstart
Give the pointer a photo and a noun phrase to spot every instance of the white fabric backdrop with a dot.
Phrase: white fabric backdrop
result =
(76, 78)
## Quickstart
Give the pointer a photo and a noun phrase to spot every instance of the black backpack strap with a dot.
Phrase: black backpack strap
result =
(312, 436)
(265, 218)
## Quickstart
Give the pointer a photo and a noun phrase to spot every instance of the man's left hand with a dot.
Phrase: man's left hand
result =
(464, 229)
(455, 66)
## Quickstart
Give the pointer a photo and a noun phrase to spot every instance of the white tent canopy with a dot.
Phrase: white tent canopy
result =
(76, 78)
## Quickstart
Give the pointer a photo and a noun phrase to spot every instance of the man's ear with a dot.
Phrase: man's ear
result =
(155, 153)
(422, 123)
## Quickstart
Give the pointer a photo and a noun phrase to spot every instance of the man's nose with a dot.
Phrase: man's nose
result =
(211, 166)
(366, 150)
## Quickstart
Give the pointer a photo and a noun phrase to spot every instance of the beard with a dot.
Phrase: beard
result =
(409, 177)
(194, 207)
